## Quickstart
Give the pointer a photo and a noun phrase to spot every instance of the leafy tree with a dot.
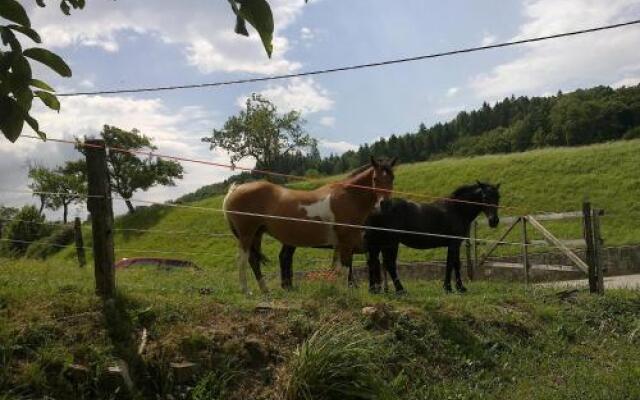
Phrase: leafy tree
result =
(129, 173)
(17, 85)
(27, 227)
(59, 187)
(260, 132)
(6, 214)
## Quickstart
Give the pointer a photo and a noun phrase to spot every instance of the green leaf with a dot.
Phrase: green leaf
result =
(258, 14)
(41, 85)
(30, 33)
(9, 39)
(241, 27)
(65, 8)
(13, 11)
(11, 118)
(49, 59)
(35, 126)
(50, 100)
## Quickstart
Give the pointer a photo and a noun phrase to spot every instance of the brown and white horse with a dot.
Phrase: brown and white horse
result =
(255, 208)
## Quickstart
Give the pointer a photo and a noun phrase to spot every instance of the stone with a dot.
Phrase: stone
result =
(119, 375)
(184, 371)
(77, 372)
(266, 306)
(369, 311)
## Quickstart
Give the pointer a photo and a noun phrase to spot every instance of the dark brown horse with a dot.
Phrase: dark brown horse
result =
(256, 208)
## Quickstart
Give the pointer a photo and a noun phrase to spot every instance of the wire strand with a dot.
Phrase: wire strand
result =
(356, 66)
(271, 173)
(355, 226)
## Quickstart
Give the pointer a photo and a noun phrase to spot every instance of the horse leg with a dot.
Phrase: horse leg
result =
(389, 258)
(385, 281)
(346, 259)
(243, 260)
(454, 255)
(447, 275)
(286, 266)
(256, 258)
(373, 263)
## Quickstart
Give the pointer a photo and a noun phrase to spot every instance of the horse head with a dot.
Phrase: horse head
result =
(383, 176)
(491, 200)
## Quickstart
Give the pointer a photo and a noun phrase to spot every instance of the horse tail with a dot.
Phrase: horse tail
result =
(232, 188)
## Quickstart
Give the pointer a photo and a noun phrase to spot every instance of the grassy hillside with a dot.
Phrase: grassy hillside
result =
(537, 181)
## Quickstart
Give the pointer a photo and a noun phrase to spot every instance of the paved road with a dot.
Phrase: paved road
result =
(610, 282)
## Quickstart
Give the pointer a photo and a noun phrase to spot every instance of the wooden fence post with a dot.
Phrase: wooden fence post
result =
(588, 238)
(525, 250)
(101, 209)
(597, 247)
(77, 231)
(467, 247)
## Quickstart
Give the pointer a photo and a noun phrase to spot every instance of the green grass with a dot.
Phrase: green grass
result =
(499, 341)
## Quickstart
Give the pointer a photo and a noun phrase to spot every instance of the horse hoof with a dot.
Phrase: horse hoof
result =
(375, 289)
(447, 289)
(401, 292)
(461, 289)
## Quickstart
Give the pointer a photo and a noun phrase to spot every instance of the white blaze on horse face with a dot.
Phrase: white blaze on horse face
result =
(321, 209)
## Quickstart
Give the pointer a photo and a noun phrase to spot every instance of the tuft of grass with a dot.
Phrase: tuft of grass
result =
(218, 383)
(335, 363)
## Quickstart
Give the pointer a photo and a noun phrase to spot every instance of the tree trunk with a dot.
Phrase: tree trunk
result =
(129, 206)
(41, 205)
(65, 207)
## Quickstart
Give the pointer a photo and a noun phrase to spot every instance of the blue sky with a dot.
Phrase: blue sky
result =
(138, 43)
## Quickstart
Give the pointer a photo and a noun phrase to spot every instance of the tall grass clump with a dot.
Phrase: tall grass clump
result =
(335, 363)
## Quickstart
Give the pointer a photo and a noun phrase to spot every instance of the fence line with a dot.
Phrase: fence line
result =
(311, 221)
(360, 66)
(116, 249)
(283, 175)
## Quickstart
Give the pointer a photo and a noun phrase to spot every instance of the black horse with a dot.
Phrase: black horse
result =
(447, 217)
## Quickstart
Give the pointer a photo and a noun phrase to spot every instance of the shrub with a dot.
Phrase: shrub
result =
(27, 227)
(335, 363)
(633, 133)
(61, 236)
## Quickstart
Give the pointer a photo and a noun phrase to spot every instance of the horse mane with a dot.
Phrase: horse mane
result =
(358, 170)
(463, 190)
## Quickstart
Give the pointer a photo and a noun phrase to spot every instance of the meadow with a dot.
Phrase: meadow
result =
(322, 340)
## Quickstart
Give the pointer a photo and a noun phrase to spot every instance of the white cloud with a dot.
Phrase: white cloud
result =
(338, 147)
(328, 121)
(488, 39)
(304, 95)
(176, 132)
(203, 29)
(452, 91)
(570, 62)
(307, 34)
(628, 82)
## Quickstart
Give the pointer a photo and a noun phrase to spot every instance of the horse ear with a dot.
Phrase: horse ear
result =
(498, 185)
(374, 163)
(394, 160)
(479, 183)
